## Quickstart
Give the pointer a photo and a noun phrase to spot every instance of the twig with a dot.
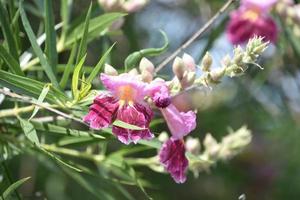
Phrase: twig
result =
(43, 105)
(196, 35)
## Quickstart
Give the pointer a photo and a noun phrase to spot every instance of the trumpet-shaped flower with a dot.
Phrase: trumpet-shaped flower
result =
(252, 18)
(172, 156)
(125, 102)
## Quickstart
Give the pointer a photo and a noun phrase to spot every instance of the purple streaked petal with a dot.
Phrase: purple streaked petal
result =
(138, 115)
(159, 92)
(172, 156)
(179, 123)
(101, 112)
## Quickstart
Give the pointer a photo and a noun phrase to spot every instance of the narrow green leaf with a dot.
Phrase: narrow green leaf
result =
(10, 61)
(36, 47)
(97, 26)
(30, 87)
(58, 160)
(50, 50)
(68, 68)
(40, 99)
(126, 125)
(29, 131)
(6, 194)
(7, 32)
(99, 66)
(75, 78)
(83, 41)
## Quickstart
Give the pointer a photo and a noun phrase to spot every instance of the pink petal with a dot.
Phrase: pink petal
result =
(113, 83)
(240, 30)
(179, 123)
(159, 92)
(172, 157)
(263, 5)
(101, 112)
(138, 115)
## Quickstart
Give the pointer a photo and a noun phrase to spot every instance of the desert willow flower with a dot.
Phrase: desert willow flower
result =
(250, 19)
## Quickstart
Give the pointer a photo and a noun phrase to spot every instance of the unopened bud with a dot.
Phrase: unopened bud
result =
(211, 146)
(179, 68)
(206, 62)
(146, 76)
(134, 72)
(134, 5)
(189, 62)
(217, 74)
(193, 145)
(238, 55)
(163, 137)
(110, 70)
(188, 79)
(147, 65)
(226, 61)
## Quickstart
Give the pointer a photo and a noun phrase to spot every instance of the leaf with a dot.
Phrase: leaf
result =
(30, 87)
(96, 26)
(126, 125)
(83, 41)
(58, 160)
(99, 66)
(65, 16)
(29, 131)
(10, 61)
(75, 78)
(133, 59)
(7, 32)
(36, 48)
(13, 187)
(40, 99)
(59, 130)
(68, 68)
(50, 49)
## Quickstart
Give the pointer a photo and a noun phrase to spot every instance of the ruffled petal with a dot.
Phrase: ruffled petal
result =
(101, 112)
(138, 115)
(172, 157)
(179, 123)
(114, 83)
(159, 93)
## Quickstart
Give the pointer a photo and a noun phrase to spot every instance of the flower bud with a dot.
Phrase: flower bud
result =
(238, 55)
(189, 62)
(147, 65)
(226, 61)
(212, 147)
(179, 68)
(206, 62)
(193, 145)
(133, 71)
(146, 76)
(110, 70)
(163, 137)
(188, 79)
(134, 5)
(217, 74)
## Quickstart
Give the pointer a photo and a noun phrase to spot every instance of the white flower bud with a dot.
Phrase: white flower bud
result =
(147, 65)
(146, 76)
(189, 62)
(133, 71)
(179, 68)
(206, 62)
(193, 145)
(110, 70)
(163, 137)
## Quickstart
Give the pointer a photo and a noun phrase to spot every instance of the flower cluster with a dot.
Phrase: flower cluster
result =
(131, 98)
(250, 19)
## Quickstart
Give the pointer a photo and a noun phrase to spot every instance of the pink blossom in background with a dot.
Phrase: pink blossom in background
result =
(124, 102)
(252, 18)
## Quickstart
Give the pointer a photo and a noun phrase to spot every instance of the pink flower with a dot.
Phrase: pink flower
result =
(172, 156)
(252, 18)
(125, 102)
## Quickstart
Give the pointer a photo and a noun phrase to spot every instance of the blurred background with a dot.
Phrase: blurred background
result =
(267, 101)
